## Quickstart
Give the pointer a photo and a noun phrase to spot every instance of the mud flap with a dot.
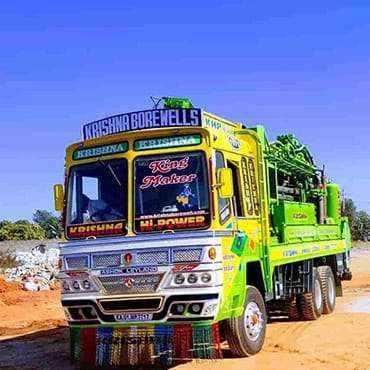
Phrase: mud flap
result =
(338, 288)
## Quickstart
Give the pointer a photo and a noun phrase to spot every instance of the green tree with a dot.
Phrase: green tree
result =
(349, 210)
(21, 231)
(3, 223)
(361, 226)
(22, 222)
(49, 223)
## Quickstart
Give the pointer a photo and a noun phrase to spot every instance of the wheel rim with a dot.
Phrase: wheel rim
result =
(318, 297)
(253, 321)
(331, 291)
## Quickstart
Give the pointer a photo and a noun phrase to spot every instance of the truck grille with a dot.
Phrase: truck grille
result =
(137, 304)
(106, 260)
(152, 258)
(77, 262)
(186, 255)
(130, 284)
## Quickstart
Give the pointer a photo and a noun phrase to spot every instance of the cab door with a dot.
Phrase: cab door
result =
(239, 214)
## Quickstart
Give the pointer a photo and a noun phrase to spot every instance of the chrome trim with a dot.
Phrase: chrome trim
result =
(104, 290)
(81, 306)
(145, 238)
(187, 304)
(161, 299)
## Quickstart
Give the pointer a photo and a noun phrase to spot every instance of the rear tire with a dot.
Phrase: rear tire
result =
(311, 304)
(291, 307)
(328, 289)
(246, 334)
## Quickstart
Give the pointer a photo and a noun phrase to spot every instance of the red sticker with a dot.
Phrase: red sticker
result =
(159, 180)
(98, 229)
(171, 223)
(77, 274)
(185, 267)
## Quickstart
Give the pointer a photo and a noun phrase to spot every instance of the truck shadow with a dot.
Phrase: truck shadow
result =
(46, 350)
(49, 350)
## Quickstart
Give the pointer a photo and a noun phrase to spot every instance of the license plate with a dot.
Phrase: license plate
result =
(133, 317)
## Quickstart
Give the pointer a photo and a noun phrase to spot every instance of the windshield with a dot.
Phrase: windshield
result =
(171, 192)
(97, 199)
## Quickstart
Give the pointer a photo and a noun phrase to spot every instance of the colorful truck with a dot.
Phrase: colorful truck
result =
(183, 230)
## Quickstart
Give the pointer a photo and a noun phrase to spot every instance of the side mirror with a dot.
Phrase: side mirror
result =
(225, 183)
(58, 197)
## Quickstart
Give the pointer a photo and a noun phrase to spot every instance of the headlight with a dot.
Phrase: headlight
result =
(192, 279)
(179, 279)
(195, 308)
(72, 286)
(206, 277)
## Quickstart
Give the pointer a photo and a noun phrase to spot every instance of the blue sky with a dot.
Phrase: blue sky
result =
(300, 67)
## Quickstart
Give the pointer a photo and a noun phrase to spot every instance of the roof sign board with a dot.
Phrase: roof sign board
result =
(96, 151)
(167, 142)
(142, 120)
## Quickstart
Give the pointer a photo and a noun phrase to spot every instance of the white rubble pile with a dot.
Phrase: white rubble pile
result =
(37, 270)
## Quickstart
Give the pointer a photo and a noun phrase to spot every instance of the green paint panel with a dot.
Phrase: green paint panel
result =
(167, 142)
(294, 233)
(294, 213)
(299, 232)
(333, 202)
(98, 151)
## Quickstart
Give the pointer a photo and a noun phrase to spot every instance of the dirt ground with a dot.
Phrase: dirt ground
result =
(33, 333)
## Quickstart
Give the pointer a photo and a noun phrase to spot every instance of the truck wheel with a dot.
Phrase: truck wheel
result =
(327, 288)
(311, 304)
(245, 334)
(291, 307)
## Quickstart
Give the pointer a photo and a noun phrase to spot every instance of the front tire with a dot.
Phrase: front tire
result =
(311, 304)
(246, 334)
(327, 288)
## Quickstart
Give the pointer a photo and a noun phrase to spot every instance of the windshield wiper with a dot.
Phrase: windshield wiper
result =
(111, 170)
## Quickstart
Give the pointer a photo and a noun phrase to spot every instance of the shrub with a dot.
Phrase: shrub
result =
(7, 260)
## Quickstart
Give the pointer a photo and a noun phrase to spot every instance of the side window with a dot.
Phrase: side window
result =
(223, 203)
(237, 198)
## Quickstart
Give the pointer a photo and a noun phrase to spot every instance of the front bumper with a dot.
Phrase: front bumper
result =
(95, 311)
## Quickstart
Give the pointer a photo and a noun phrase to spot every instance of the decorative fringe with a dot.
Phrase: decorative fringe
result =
(159, 345)
(104, 343)
(74, 342)
(88, 348)
(163, 345)
(182, 343)
(202, 341)
(216, 340)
